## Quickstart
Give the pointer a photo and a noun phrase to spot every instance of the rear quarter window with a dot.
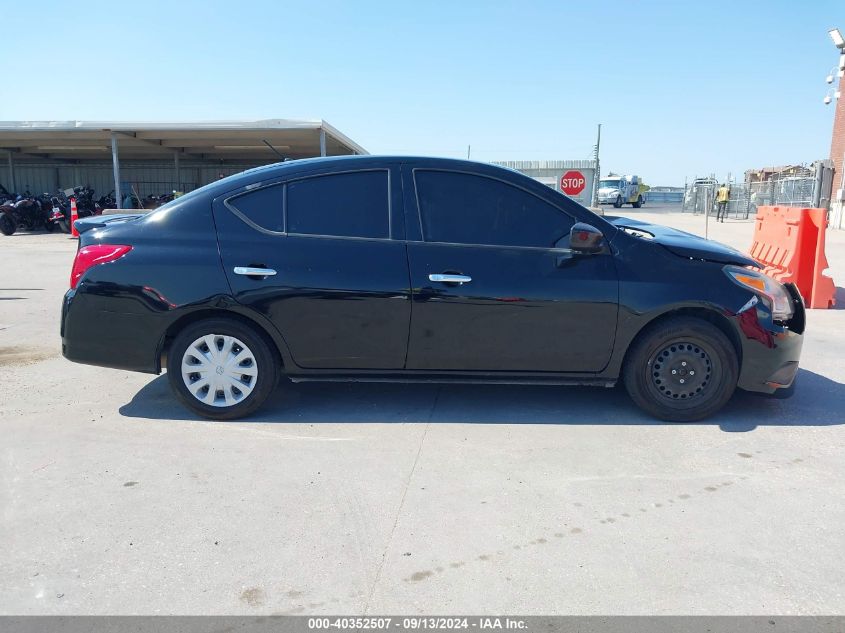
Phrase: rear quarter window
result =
(262, 207)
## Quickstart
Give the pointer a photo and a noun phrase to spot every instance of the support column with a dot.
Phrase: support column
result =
(322, 142)
(12, 187)
(178, 174)
(116, 167)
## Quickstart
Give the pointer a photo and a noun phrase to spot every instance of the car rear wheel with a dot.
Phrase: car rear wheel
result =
(221, 369)
(681, 370)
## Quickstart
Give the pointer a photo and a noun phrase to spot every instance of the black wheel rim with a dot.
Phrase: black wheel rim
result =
(681, 371)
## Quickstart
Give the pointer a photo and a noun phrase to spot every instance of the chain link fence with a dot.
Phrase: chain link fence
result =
(789, 191)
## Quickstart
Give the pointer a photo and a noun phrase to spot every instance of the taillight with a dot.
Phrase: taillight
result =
(94, 255)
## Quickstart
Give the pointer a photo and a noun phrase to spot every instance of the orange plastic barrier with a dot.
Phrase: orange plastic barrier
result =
(789, 241)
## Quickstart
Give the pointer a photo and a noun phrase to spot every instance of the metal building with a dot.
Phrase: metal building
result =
(154, 157)
(550, 172)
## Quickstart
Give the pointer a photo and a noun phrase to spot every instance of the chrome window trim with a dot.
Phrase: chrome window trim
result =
(344, 237)
(544, 249)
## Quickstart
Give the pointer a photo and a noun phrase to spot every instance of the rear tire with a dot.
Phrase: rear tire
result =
(681, 370)
(230, 367)
(7, 224)
(638, 203)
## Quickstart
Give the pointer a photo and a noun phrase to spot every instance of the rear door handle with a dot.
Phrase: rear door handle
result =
(443, 278)
(250, 271)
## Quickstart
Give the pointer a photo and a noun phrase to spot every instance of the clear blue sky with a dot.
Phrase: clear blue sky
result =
(680, 87)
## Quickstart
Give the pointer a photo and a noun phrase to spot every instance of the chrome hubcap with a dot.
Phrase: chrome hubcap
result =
(681, 371)
(219, 370)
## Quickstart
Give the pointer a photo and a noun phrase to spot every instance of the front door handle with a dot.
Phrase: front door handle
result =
(443, 278)
(251, 271)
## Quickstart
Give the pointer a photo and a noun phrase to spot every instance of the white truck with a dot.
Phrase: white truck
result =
(618, 190)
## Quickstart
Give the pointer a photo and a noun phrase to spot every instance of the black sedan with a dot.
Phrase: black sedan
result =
(420, 269)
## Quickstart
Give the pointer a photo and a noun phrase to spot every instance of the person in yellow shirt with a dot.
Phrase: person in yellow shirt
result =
(722, 197)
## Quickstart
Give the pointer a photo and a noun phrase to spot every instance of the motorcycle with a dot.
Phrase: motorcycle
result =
(107, 201)
(85, 206)
(60, 212)
(24, 212)
(154, 201)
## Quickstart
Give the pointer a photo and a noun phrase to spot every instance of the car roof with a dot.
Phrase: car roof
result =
(328, 164)
(304, 164)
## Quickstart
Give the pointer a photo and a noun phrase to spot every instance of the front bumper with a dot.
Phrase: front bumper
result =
(770, 355)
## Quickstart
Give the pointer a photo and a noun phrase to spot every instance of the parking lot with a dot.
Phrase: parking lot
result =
(380, 498)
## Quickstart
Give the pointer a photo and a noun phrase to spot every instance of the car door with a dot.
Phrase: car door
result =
(337, 285)
(491, 292)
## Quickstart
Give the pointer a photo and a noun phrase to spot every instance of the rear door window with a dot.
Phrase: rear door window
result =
(462, 208)
(354, 204)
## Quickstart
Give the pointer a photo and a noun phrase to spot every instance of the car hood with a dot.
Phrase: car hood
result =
(686, 244)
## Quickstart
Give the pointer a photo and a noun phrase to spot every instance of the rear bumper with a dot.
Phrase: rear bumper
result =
(94, 336)
(770, 356)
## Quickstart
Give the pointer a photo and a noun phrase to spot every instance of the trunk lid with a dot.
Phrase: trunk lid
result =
(84, 225)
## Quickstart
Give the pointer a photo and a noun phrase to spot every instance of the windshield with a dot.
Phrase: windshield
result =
(607, 184)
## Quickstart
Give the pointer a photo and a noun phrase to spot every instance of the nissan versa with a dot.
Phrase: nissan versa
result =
(420, 269)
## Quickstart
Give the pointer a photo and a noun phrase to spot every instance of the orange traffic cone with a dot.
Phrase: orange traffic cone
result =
(74, 216)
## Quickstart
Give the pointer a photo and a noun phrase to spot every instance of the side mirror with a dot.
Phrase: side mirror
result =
(585, 238)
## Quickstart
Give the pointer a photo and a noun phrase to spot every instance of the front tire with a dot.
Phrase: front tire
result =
(221, 368)
(681, 370)
(618, 202)
(7, 224)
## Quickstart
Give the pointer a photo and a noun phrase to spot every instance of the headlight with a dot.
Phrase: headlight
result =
(770, 290)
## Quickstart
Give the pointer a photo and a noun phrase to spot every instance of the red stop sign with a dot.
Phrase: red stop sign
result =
(572, 183)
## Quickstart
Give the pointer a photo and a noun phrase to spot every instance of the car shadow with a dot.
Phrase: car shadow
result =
(818, 401)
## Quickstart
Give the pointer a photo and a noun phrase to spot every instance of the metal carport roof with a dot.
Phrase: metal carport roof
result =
(218, 142)
(196, 140)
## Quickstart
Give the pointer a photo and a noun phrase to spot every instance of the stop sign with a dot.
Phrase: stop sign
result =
(572, 182)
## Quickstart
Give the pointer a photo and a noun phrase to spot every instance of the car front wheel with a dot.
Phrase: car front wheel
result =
(221, 369)
(681, 370)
